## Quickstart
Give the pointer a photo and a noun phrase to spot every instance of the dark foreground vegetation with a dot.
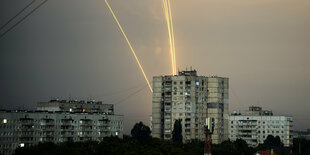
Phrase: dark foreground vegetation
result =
(142, 143)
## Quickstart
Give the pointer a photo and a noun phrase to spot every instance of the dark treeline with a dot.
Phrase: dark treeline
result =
(142, 143)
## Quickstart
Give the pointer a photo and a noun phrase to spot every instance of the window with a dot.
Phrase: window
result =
(167, 109)
(197, 83)
(167, 120)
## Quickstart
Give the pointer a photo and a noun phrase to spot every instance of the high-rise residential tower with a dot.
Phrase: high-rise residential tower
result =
(192, 99)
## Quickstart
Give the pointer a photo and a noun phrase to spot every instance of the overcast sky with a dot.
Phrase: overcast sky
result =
(74, 49)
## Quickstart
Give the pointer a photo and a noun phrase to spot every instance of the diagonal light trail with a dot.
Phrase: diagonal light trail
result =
(168, 17)
(129, 44)
(172, 34)
(165, 5)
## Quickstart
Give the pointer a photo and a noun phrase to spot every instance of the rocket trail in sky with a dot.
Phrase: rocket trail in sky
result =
(129, 44)
(168, 16)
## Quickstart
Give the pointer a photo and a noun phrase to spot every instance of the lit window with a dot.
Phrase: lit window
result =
(22, 145)
(5, 121)
(197, 83)
(70, 109)
(116, 133)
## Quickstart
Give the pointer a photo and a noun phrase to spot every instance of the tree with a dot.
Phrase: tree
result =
(273, 141)
(237, 147)
(140, 132)
(177, 132)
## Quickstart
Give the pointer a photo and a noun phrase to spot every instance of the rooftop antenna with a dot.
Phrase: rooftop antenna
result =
(191, 68)
(186, 68)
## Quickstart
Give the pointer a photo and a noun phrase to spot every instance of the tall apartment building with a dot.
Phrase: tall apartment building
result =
(192, 99)
(26, 128)
(257, 124)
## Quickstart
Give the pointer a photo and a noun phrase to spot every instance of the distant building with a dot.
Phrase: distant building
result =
(302, 134)
(192, 99)
(27, 128)
(76, 106)
(257, 124)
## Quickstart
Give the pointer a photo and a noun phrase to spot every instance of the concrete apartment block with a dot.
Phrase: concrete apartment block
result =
(192, 99)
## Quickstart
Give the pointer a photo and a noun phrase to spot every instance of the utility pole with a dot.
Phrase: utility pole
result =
(208, 130)
(208, 142)
(299, 147)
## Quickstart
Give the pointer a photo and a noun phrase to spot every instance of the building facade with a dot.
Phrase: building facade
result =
(257, 124)
(192, 99)
(76, 106)
(27, 128)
